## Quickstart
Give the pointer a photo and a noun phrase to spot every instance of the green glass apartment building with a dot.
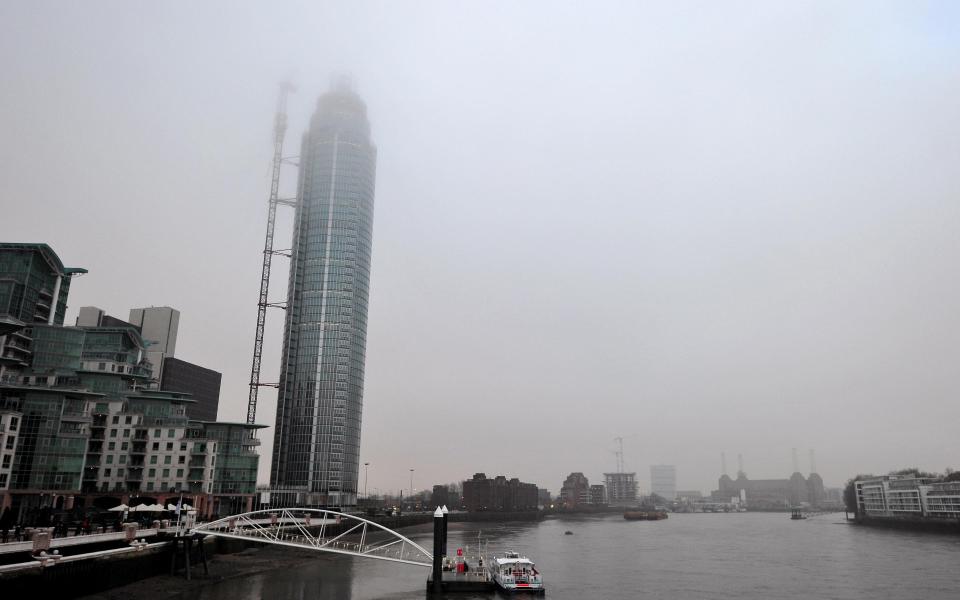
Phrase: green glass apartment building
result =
(320, 401)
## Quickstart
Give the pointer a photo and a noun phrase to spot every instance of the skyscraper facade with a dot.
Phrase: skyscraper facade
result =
(320, 400)
(663, 481)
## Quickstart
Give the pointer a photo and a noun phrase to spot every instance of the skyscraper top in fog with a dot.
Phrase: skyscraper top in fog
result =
(317, 435)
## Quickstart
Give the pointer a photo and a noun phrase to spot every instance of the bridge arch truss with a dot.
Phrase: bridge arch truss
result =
(320, 530)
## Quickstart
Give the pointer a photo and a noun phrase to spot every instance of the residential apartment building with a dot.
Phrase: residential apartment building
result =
(621, 488)
(575, 491)
(498, 494)
(893, 496)
(80, 424)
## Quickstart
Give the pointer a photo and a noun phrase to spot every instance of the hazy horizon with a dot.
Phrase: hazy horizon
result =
(700, 227)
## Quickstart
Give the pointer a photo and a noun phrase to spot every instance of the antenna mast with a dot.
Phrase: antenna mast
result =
(279, 130)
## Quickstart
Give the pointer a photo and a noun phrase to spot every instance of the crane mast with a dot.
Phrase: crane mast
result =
(279, 131)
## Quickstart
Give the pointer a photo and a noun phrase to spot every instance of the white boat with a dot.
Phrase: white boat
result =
(515, 573)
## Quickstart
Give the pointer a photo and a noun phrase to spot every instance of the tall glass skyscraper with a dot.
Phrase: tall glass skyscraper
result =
(317, 435)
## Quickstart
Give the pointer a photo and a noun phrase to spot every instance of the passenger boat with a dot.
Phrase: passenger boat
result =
(797, 515)
(515, 573)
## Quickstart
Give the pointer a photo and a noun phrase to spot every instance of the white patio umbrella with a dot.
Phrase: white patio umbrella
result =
(119, 508)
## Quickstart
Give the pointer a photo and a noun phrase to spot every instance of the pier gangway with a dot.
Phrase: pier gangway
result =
(322, 531)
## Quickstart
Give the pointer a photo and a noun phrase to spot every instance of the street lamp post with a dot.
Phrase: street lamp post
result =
(411, 485)
(366, 470)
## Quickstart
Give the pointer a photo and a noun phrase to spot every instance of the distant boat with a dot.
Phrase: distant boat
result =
(567, 533)
(645, 515)
(797, 515)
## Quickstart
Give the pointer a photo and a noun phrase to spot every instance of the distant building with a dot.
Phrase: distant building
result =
(621, 488)
(201, 383)
(158, 326)
(598, 495)
(689, 495)
(543, 497)
(766, 494)
(663, 481)
(892, 497)
(440, 496)
(498, 494)
(91, 316)
(575, 490)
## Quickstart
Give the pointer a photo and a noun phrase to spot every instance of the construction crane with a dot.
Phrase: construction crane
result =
(619, 454)
(279, 131)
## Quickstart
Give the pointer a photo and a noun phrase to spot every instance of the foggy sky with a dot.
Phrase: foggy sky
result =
(701, 226)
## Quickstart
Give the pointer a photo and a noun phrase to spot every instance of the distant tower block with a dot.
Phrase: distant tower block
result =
(813, 462)
(796, 463)
(723, 463)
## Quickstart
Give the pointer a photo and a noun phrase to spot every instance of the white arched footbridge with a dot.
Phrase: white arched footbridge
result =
(321, 530)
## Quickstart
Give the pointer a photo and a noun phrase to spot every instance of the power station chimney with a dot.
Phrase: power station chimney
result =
(740, 472)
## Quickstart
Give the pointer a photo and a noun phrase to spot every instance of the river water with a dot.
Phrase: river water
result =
(747, 556)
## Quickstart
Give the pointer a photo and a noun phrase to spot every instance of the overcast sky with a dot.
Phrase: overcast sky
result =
(704, 227)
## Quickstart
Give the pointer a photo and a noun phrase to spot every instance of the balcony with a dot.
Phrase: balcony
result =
(195, 475)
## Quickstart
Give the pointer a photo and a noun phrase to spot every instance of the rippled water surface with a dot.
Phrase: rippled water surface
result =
(752, 556)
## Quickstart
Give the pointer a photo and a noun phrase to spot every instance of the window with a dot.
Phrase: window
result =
(126, 433)
(153, 460)
(183, 447)
(113, 433)
(149, 486)
(179, 472)
(156, 433)
(169, 446)
(123, 459)
(102, 366)
(129, 420)
(6, 460)
(106, 472)
(109, 459)
(120, 472)
(124, 445)
(13, 423)
(166, 460)
(181, 460)
(151, 473)
(111, 446)
(156, 445)
(11, 440)
(116, 419)
(166, 473)
(171, 433)
(3, 480)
